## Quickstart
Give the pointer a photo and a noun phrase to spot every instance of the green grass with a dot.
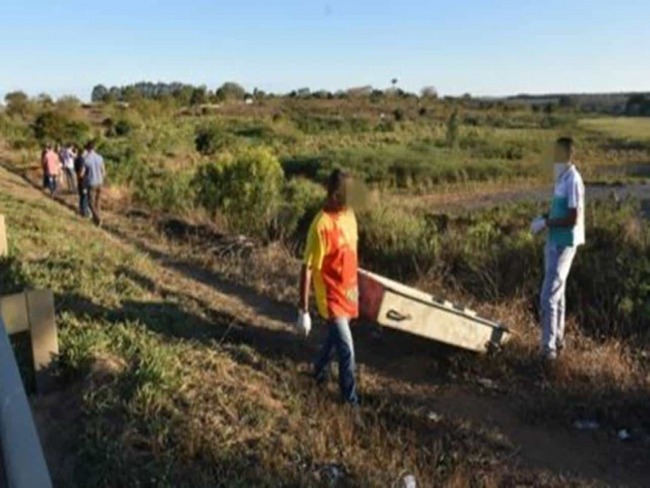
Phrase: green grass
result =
(161, 400)
(630, 128)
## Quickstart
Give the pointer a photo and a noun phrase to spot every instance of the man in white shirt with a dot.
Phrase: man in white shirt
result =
(67, 157)
(566, 231)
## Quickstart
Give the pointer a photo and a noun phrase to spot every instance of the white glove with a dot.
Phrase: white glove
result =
(303, 324)
(538, 225)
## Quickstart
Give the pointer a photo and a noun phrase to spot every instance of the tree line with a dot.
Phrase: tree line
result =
(188, 94)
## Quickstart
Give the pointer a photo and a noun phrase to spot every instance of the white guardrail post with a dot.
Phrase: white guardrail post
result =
(24, 462)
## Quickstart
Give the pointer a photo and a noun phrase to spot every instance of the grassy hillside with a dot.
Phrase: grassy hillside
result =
(156, 394)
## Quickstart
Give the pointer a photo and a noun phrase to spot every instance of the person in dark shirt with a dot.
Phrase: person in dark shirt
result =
(80, 170)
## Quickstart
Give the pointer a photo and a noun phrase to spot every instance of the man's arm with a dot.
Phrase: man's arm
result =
(305, 281)
(569, 221)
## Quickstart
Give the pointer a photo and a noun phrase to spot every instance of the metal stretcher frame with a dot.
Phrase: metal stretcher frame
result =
(397, 306)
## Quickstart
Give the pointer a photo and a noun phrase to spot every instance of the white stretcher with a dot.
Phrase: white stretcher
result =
(392, 304)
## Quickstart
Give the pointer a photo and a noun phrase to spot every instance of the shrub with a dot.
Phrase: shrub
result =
(210, 139)
(396, 242)
(126, 157)
(53, 126)
(302, 199)
(245, 189)
(109, 127)
(398, 113)
(123, 127)
(166, 191)
(17, 133)
(230, 91)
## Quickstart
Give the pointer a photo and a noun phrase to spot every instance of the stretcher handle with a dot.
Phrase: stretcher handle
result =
(397, 316)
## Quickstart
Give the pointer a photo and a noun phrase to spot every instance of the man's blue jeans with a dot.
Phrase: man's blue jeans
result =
(84, 208)
(557, 264)
(339, 338)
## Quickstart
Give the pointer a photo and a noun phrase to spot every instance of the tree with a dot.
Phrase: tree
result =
(131, 94)
(230, 91)
(45, 100)
(68, 104)
(199, 96)
(566, 101)
(637, 104)
(376, 95)
(429, 92)
(321, 95)
(17, 103)
(99, 93)
(183, 94)
(303, 92)
(258, 94)
(360, 91)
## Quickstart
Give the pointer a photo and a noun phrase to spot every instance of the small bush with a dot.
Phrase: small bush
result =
(127, 160)
(302, 199)
(53, 126)
(210, 139)
(164, 191)
(245, 189)
(123, 127)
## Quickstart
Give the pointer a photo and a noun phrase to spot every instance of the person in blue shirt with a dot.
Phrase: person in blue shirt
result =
(94, 175)
(566, 232)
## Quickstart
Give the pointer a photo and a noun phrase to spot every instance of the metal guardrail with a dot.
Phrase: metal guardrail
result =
(24, 462)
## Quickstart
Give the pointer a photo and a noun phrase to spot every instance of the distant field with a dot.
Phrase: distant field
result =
(620, 127)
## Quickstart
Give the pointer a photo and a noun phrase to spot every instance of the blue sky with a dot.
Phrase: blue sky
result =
(481, 47)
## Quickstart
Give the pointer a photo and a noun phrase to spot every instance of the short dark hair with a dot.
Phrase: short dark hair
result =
(336, 185)
(565, 142)
(90, 146)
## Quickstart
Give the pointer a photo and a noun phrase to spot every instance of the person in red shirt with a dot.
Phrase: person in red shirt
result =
(51, 169)
(330, 262)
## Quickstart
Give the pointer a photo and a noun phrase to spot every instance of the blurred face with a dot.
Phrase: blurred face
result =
(562, 154)
(341, 196)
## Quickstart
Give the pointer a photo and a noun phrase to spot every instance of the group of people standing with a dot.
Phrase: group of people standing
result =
(83, 170)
